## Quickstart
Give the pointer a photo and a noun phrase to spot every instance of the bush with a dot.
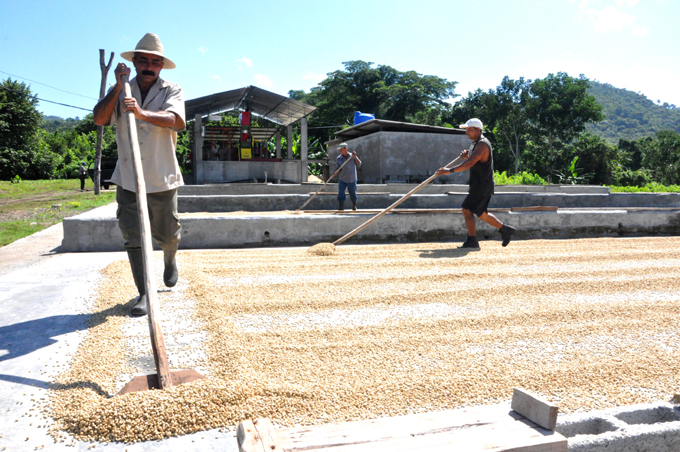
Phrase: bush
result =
(651, 187)
(522, 178)
(629, 178)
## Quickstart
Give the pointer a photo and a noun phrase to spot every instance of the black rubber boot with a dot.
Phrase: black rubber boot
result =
(137, 266)
(170, 273)
(341, 205)
(471, 242)
(354, 205)
(506, 232)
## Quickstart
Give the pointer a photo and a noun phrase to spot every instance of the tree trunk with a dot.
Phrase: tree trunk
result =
(100, 129)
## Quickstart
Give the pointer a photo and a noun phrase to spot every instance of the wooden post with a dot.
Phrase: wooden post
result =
(100, 129)
(198, 150)
(289, 142)
(157, 342)
(304, 166)
(277, 141)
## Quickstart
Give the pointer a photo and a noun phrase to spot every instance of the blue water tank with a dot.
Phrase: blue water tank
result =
(360, 117)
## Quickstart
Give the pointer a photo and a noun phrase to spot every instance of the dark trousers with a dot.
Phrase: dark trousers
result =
(351, 188)
(163, 217)
(82, 182)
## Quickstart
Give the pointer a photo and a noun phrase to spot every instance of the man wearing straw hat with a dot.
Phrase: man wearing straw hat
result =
(479, 160)
(158, 106)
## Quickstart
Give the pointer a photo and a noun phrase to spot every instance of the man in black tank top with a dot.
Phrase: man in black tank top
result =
(479, 160)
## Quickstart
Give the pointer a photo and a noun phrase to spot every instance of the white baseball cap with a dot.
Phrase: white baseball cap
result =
(474, 122)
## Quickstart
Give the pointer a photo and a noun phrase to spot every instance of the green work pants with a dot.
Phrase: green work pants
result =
(163, 217)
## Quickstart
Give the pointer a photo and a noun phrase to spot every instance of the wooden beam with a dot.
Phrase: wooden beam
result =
(491, 428)
(257, 436)
(534, 408)
(362, 194)
(247, 438)
(534, 209)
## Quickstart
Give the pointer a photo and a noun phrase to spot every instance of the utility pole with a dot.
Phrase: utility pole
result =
(100, 129)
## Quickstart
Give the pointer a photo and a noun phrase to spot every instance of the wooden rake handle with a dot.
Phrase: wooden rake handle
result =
(329, 179)
(404, 198)
(157, 342)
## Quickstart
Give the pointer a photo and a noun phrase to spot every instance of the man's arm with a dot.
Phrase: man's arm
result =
(157, 118)
(104, 109)
(481, 150)
(356, 159)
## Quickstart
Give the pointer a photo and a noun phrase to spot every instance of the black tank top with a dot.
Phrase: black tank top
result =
(481, 175)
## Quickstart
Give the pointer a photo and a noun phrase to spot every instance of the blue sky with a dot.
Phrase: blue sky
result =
(293, 44)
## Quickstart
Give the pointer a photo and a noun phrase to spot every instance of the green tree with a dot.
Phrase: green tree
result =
(511, 124)
(559, 109)
(596, 159)
(19, 124)
(382, 90)
(661, 156)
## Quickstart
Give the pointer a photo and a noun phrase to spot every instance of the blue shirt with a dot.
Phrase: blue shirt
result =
(349, 173)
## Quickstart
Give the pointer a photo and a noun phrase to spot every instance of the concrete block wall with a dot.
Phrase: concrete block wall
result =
(215, 172)
(638, 428)
(404, 156)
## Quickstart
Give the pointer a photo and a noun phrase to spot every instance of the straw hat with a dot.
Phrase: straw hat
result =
(152, 44)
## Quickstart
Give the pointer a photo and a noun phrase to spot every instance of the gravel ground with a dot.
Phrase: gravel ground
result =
(385, 330)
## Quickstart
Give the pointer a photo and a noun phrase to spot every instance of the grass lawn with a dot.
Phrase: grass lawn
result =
(30, 206)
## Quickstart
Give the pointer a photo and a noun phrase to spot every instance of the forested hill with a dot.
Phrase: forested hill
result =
(630, 115)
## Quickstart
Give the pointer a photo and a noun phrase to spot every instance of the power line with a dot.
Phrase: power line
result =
(33, 81)
(45, 100)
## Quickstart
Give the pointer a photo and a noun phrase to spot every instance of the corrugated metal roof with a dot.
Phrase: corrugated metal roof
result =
(274, 107)
(382, 125)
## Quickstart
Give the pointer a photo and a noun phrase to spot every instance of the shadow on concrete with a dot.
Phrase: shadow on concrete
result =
(52, 252)
(55, 386)
(23, 338)
(25, 381)
(81, 384)
(450, 253)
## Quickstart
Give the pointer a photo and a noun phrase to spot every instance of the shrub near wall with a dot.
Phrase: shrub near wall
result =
(522, 178)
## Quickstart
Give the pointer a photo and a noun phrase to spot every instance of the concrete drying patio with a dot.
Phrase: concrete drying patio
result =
(45, 298)
(256, 215)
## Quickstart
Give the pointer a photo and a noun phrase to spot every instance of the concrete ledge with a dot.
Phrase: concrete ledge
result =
(646, 427)
(381, 200)
(97, 230)
(396, 188)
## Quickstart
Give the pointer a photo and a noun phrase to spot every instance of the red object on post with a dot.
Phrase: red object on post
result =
(245, 118)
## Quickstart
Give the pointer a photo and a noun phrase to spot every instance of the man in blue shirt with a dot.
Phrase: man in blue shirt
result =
(348, 176)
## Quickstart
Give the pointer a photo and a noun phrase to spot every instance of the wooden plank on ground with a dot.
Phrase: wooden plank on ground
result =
(335, 193)
(493, 428)
(402, 211)
(267, 434)
(247, 437)
(534, 408)
(534, 209)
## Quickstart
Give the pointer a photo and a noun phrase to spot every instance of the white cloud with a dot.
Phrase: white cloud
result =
(247, 61)
(630, 3)
(263, 80)
(215, 77)
(610, 18)
(313, 76)
(640, 31)
(202, 50)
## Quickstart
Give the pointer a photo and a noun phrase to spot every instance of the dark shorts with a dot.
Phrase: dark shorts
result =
(476, 203)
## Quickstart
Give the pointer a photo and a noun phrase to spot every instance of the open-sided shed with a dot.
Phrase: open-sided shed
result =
(276, 108)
